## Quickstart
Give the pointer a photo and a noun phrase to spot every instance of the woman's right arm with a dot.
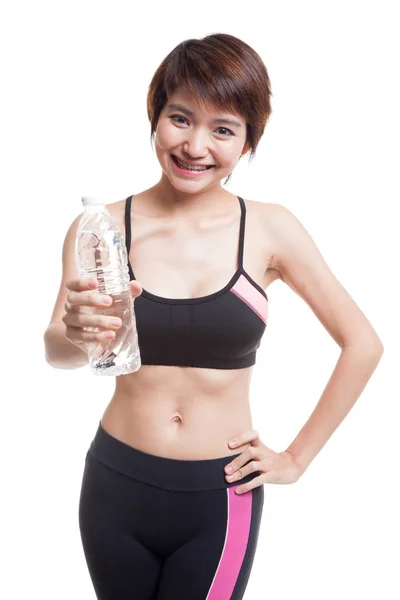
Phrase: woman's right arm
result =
(60, 352)
(79, 317)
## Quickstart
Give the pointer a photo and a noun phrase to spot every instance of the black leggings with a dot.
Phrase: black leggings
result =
(156, 528)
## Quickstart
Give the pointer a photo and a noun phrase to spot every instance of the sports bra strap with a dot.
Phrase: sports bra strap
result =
(128, 223)
(241, 234)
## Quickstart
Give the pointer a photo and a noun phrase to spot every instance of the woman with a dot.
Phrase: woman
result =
(160, 515)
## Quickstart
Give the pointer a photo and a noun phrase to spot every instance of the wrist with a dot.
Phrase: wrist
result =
(299, 463)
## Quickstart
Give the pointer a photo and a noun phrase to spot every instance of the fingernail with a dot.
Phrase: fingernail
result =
(233, 443)
(106, 300)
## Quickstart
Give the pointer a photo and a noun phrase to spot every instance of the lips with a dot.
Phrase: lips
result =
(182, 163)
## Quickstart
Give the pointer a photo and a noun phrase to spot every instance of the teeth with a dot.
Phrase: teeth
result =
(189, 167)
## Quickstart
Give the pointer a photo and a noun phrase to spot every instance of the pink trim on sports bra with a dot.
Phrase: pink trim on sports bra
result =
(247, 292)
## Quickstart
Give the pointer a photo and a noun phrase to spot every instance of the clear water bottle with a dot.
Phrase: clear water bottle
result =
(100, 253)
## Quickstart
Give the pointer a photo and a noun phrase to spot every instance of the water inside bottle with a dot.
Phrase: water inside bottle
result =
(120, 355)
(101, 255)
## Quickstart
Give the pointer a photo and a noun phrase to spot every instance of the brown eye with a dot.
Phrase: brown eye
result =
(178, 117)
(230, 132)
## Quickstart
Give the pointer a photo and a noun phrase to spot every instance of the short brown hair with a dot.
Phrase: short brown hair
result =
(220, 70)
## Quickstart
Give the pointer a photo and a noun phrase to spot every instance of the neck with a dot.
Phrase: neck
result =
(179, 203)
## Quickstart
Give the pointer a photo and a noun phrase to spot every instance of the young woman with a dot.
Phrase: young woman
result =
(160, 514)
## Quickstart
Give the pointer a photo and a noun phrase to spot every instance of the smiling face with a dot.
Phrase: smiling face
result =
(198, 137)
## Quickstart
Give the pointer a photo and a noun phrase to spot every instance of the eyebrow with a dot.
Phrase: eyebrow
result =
(189, 113)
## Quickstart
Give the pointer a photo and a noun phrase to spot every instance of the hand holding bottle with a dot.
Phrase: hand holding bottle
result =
(83, 312)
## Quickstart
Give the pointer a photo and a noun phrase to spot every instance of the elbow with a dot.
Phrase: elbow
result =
(376, 347)
(47, 358)
(368, 341)
(369, 344)
(46, 354)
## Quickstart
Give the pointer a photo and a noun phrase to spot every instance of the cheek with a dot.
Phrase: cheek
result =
(167, 137)
(229, 156)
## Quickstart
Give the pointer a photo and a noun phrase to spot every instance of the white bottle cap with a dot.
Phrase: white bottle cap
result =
(92, 200)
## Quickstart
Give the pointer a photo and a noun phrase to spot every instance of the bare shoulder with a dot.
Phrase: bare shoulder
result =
(117, 210)
(117, 207)
(303, 268)
(291, 242)
(268, 210)
(285, 231)
(265, 213)
(264, 210)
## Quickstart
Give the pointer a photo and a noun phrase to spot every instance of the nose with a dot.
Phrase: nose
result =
(195, 145)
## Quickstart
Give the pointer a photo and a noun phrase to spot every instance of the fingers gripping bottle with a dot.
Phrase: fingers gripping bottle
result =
(100, 253)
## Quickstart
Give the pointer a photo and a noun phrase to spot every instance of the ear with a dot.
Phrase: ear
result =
(246, 148)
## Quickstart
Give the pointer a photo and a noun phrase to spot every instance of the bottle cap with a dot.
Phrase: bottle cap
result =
(92, 200)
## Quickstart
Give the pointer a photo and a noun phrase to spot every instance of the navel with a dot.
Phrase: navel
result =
(177, 419)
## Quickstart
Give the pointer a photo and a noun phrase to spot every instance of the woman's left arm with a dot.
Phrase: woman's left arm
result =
(302, 267)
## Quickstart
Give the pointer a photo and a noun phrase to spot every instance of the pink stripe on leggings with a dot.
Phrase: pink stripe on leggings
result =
(236, 539)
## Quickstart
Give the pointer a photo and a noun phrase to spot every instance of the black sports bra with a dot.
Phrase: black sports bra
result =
(222, 330)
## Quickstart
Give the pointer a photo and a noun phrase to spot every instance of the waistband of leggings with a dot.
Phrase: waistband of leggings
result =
(167, 473)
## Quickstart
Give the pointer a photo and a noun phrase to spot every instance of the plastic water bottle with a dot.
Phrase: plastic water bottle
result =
(100, 253)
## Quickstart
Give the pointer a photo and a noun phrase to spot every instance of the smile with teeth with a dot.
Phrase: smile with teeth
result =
(187, 167)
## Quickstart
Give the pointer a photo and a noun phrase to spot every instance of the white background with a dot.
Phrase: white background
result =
(73, 122)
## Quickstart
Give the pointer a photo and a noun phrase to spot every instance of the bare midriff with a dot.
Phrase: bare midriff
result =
(180, 412)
